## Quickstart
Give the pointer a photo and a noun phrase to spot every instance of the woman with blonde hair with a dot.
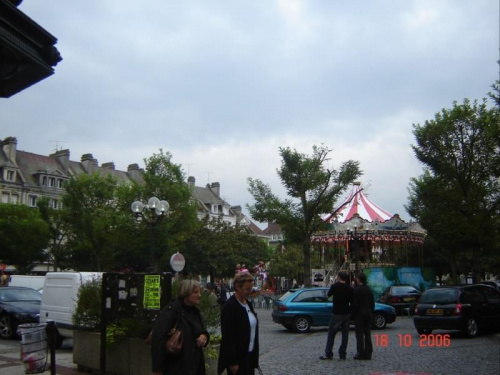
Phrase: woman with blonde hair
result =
(239, 351)
(184, 312)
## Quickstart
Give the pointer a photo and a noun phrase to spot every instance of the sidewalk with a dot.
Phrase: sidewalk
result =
(10, 362)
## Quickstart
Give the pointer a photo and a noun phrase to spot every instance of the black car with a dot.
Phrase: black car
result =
(494, 283)
(18, 305)
(400, 296)
(469, 308)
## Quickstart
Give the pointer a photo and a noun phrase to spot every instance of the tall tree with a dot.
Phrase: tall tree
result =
(56, 247)
(92, 220)
(457, 197)
(313, 190)
(165, 180)
(23, 236)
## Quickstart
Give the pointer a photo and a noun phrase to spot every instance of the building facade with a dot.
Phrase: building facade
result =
(25, 177)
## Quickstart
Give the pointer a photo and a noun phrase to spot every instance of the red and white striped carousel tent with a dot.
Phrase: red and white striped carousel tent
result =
(358, 203)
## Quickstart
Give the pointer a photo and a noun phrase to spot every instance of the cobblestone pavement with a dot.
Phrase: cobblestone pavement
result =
(287, 353)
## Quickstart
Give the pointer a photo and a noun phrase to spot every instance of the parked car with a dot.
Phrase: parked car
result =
(301, 309)
(468, 308)
(18, 305)
(400, 297)
(493, 283)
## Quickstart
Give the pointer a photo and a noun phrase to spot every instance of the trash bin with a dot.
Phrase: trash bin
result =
(33, 347)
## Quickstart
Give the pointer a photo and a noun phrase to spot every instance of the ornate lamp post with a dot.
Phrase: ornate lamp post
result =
(151, 214)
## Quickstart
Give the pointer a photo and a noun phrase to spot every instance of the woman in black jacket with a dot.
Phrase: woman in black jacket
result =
(239, 351)
(185, 313)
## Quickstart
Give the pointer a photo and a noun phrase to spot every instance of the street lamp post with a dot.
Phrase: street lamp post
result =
(151, 213)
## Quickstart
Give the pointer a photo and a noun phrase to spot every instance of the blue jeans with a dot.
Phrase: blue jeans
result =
(337, 323)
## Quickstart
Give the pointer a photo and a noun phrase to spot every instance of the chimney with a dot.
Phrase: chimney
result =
(110, 165)
(9, 147)
(191, 182)
(89, 163)
(216, 188)
(134, 172)
(63, 157)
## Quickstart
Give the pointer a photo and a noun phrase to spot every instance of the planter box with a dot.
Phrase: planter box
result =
(127, 357)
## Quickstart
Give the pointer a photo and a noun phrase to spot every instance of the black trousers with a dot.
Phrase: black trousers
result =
(244, 368)
(363, 336)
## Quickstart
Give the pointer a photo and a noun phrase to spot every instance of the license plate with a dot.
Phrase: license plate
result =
(275, 307)
(434, 311)
(408, 299)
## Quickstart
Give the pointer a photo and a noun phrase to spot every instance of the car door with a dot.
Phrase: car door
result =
(313, 303)
(492, 307)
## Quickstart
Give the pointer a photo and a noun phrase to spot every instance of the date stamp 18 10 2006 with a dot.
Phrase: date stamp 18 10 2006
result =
(406, 340)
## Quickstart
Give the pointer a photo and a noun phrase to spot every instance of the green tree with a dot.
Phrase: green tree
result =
(457, 197)
(287, 263)
(216, 247)
(313, 190)
(165, 180)
(56, 247)
(23, 236)
(92, 221)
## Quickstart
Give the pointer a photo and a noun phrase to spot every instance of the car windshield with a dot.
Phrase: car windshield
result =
(286, 295)
(440, 296)
(19, 295)
(404, 290)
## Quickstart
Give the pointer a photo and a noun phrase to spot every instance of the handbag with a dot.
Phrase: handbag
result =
(173, 345)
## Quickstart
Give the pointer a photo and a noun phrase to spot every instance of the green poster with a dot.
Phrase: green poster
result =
(152, 292)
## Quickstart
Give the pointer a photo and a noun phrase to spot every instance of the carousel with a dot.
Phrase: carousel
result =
(362, 235)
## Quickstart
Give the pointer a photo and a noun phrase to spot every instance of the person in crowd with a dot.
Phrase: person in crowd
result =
(223, 293)
(185, 313)
(362, 309)
(244, 268)
(342, 300)
(4, 278)
(239, 351)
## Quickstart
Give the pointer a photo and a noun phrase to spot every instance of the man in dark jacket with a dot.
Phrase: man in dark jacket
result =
(342, 300)
(362, 310)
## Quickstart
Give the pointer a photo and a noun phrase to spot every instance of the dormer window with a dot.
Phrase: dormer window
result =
(44, 181)
(10, 175)
(52, 181)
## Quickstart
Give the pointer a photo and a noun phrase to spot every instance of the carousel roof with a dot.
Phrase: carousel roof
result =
(358, 203)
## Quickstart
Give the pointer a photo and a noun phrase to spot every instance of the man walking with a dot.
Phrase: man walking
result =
(342, 299)
(362, 310)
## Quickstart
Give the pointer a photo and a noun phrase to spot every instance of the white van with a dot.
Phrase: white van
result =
(59, 299)
(34, 282)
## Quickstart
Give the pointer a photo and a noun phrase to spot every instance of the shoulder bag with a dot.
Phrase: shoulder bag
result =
(173, 344)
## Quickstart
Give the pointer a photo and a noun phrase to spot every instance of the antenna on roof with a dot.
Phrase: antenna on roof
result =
(56, 144)
(208, 177)
(188, 167)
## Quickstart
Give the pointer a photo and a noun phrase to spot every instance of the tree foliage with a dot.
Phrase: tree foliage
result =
(23, 236)
(312, 190)
(457, 197)
(216, 247)
(56, 247)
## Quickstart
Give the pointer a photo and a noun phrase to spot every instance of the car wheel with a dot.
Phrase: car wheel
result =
(471, 328)
(379, 321)
(302, 324)
(424, 331)
(7, 328)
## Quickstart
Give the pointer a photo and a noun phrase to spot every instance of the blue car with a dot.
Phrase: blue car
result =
(301, 309)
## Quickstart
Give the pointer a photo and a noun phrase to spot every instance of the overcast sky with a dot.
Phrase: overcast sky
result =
(222, 85)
